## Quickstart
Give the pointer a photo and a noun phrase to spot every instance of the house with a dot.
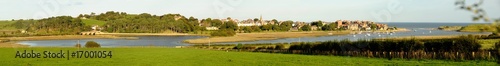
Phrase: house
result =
(353, 27)
(359, 25)
(314, 28)
(249, 22)
(212, 28)
(96, 28)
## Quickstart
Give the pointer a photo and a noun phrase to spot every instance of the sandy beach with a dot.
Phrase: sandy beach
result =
(263, 36)
(11, 44)
(275, 35)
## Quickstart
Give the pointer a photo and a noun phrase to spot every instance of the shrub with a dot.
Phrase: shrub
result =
(92, 44)
(78, 45)
(239, 46)
(280, 46)
(497, 46)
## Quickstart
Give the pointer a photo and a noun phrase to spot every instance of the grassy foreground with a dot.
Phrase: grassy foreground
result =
(197, 57)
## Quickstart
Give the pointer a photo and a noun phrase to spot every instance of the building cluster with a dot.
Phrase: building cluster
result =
(360, 25)
(341, 24)
(253, 22)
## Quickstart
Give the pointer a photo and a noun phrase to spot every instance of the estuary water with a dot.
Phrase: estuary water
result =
(416, 29)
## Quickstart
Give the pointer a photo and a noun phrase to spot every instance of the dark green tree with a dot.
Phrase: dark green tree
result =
(305, 28)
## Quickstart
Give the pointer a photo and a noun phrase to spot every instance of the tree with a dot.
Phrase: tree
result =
(192, 19)
(275, 21)
(92, 44)
(256, 29)
(280, 46)
(256, 19)
(216, 23)
(80, 16)
(479, 13)
(317, 23)
(373, 26)
(92, 14)
(239, 46)
(285, 26)
(329, 27)
(305, 28)
(266, 27)
(229, 26)
(247, 29)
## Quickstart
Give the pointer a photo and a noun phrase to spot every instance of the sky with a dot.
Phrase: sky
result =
(296, 10)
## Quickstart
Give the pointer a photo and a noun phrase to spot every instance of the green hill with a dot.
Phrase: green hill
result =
(479, 28)
(5, 25)
(91, 22)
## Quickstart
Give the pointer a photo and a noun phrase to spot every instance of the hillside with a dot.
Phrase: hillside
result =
(479, 28)
(91, 22)
(5, 25)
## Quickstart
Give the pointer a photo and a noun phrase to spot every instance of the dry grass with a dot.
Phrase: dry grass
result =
(11, 44)
(263, 36)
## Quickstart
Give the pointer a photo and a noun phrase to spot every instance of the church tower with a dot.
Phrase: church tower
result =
(261, 20)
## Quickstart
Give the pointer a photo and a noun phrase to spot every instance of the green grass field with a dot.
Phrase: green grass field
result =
(197, 57)
(4, 25)
(479, 28)
(91, 22)
(488, 43)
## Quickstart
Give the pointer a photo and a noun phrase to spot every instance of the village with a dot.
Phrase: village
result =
(353, 25)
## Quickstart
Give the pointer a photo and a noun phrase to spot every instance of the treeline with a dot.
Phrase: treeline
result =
(462, 48)
(61, 25)
(122, 22)
(462, 44)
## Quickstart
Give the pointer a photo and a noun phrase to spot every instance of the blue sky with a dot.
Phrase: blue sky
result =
(298, 10)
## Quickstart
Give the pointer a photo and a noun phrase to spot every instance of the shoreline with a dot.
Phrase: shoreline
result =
(239, 37)
(14, 41)
(242, 37)
(150, 34)
(12, 44)
(63, 37)
(427, 37)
